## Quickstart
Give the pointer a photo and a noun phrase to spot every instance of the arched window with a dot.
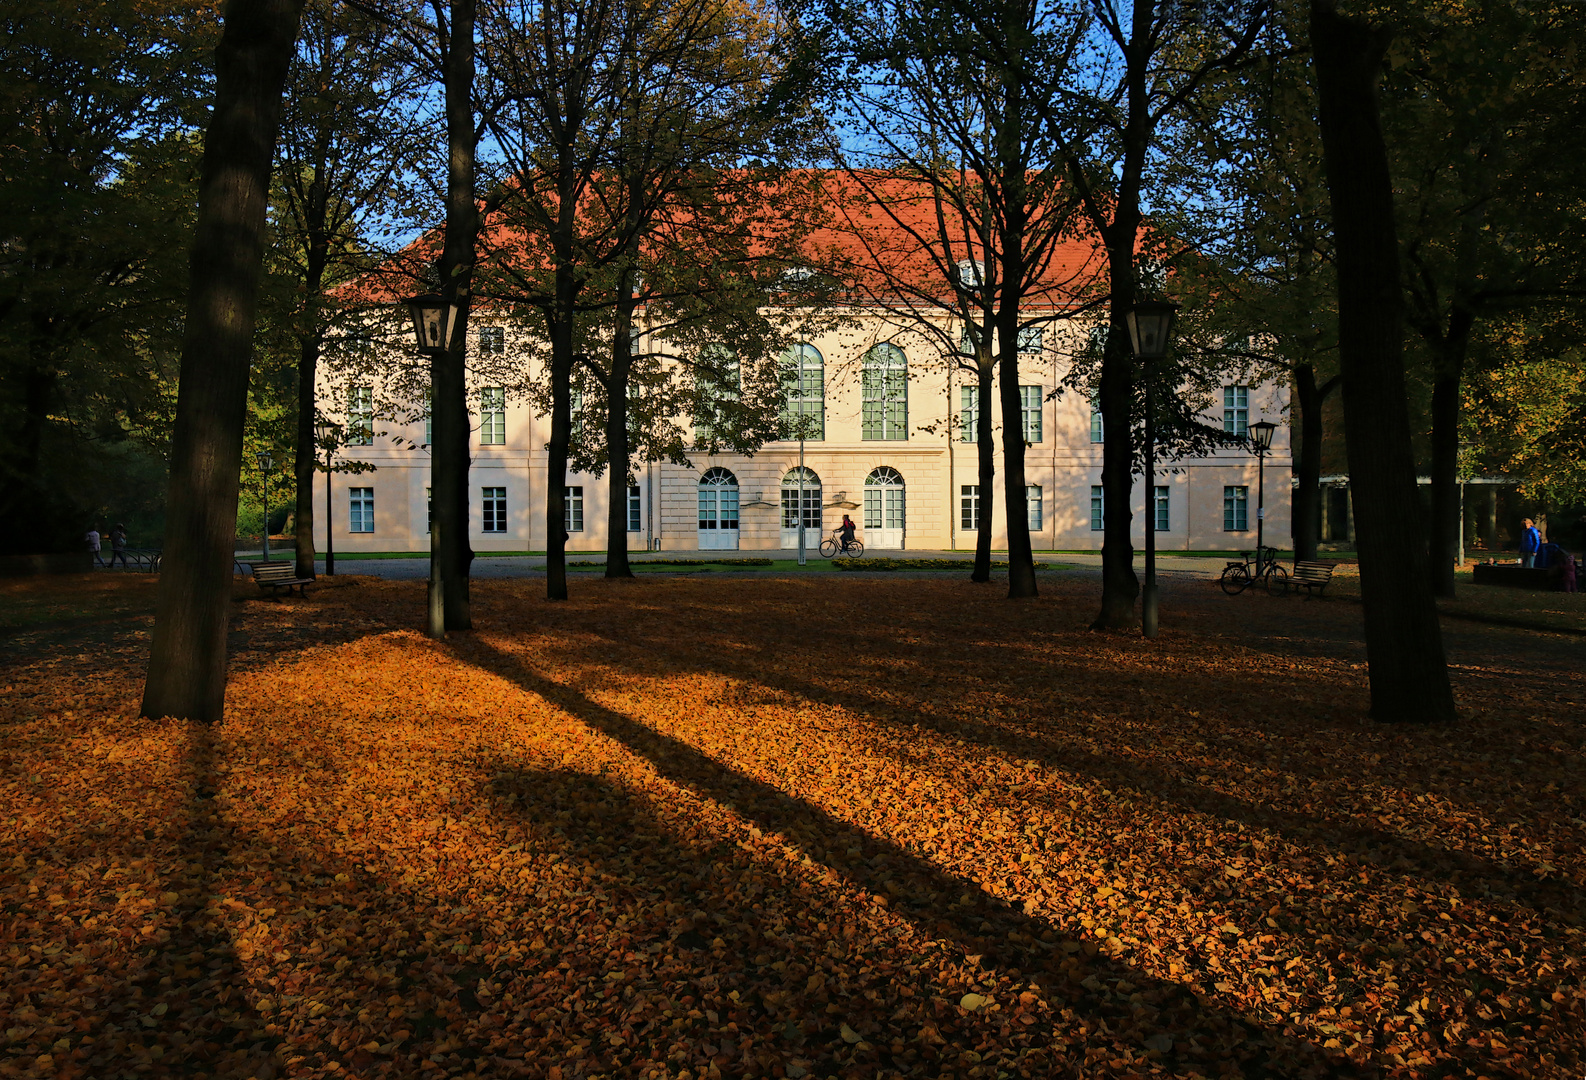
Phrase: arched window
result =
(884, 383)
(803, 393)
(884, 508)
(795, 480)
(718, 501)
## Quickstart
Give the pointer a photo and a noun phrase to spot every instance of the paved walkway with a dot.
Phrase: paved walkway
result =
(488, 566)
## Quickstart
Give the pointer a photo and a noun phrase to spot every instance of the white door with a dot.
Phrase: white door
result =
(718, 511)
(884, 511)
(811, 498)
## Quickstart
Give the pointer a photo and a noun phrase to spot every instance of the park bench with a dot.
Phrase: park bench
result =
(1311, 576)
(274, 576)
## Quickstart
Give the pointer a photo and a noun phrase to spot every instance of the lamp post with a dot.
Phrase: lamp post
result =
(264, 459)
(434, 319)
(1150, 324)
(1261, 441)
(328, 435)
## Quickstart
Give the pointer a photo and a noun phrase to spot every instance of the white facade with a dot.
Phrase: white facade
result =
(909, 489)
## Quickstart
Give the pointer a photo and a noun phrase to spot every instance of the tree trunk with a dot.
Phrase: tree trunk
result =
(986, 455)
(1021, 561)
(1448, 375)
(1308, 507)
(1119, 586)
(448, 371)
(187, 662)
(1404, 646)
(307, 451)
(617, 450)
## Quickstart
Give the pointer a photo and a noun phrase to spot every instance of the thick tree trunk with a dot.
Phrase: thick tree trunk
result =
(1308, 507)
(1404, 645)
(1119, 586)
(187, 662)
(1021, 561)
(24, 496)
(617, 449)
(448, 372)
(986, 457)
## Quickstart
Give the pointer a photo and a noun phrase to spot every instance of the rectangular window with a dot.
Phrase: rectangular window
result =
(573, 510)
(1030, 339)
(969, 412)
(1030, 413)
(1162, 518)
(360, 416)
(360, 519)
(812, 508)
(1235, 502)
(429, 510)
(1032, 506)
(495, 502)
(803, 393)
(969, 507)
(1096, 433)
(492, 416)
(717, 383)
(492, 339)
(884, 394)
(635, 517)
(884, 507)
(575, 413)
(1236, 410)
(1098, 508)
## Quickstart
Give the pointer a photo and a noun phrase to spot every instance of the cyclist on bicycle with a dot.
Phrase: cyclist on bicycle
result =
(847, 531)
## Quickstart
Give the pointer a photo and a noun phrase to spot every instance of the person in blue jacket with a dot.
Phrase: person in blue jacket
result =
(1530, 540)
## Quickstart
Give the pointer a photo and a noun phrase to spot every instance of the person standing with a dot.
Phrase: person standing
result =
(93, 544)
(1530, 541)
(118, 547)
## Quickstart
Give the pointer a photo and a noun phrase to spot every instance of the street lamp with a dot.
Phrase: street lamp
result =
(264, 459)
(434, 319)
(1150, 324)
(328, 435)
(1261, 441)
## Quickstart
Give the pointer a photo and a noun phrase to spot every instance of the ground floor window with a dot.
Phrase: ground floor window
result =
(1098, 507)
(884, 499)
(573, 510)
(1162, 516)
(635, 517)
(495, 503)
(718, 500)
(810, 483)
(969, 507)
(1235, 514)
(1032, 506)
(361, 517)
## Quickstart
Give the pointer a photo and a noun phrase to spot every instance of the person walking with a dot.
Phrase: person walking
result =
(93, 544)
(1530, 541)
(118, 547)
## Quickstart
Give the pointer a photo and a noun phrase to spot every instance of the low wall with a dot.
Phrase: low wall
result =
(1543, 579)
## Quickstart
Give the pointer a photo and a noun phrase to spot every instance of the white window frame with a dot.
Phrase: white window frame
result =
(1098, 508)
(1164, 518)
(360, 510)
(884, 393)
(1098, 433)
(804, 392)
(493, 416)
(573, 509)
(635, 509)
(969, 413)
(1033, 507)
(1236, 508)
(493, 502)
(1031, 407)
(492, 340)
(1236, 410)
(360, 416)
(886, 496)
(969, 507)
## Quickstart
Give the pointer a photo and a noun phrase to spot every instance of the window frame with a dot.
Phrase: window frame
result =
(812, 500)
(1032, 413)
(969, 507)
(493, 504)
(1236, 508)
(573, 508)
(969, 413)
(492, 340)
(803, 392)
(360, 499)
(1098, 508)
(1034, 507)
(635, 509)
(492, 416)
(1162, 495)
(884, 394)
(1236, 409)
(360, 416)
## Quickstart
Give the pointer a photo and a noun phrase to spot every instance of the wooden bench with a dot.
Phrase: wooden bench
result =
(1311, 576)
(275, 576)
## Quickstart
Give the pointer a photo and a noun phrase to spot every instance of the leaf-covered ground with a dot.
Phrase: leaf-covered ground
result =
(839, 827)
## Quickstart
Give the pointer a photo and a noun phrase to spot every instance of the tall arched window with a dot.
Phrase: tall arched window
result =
(884, 384)
(803, 393)
(801, 487)
(718, 509)
(884, 508)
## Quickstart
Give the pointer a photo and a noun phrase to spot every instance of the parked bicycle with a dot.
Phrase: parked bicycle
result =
(832, 546)
(1260, 566)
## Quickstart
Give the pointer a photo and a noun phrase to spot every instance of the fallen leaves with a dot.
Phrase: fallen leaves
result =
(759, 828)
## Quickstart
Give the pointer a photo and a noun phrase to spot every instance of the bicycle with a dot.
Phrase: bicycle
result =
(1260, 566)
(832, 546)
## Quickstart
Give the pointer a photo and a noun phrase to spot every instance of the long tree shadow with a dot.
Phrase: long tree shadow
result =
(979, 923)
(1339, 828)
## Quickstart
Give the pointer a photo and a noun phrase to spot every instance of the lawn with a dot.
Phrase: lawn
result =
(852, 827)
